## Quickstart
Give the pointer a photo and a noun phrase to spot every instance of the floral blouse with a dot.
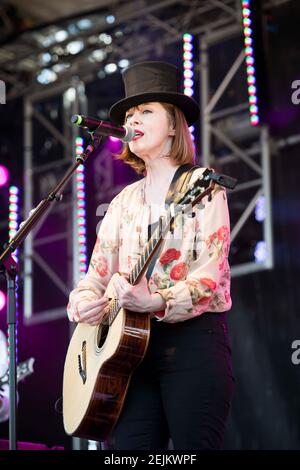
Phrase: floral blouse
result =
(192, 272)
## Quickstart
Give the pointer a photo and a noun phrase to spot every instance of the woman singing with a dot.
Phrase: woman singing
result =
(182, 390)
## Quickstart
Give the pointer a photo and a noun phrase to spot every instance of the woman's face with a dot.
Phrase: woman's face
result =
(154, 130)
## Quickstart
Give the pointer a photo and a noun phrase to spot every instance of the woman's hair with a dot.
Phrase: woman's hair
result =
(182, 150)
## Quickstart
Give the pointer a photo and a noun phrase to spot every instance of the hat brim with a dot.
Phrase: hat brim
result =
(187, 105)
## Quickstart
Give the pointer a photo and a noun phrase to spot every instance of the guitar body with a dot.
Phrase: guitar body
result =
(106, 356)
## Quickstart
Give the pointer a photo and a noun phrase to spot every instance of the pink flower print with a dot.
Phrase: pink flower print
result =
(223, 233)
(179, 272)
(168, 256)
(209, 283)
(211, 240)
(203, 300)
(102, 266)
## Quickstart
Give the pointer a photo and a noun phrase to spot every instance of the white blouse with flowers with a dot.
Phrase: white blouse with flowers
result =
(192, 272)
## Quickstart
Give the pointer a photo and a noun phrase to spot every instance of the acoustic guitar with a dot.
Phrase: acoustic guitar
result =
(101, 359)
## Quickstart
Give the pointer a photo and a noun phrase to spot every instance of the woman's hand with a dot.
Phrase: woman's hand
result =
(91, 312)
(137, 298)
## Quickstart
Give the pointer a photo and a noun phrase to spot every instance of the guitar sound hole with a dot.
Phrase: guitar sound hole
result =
(102, 335)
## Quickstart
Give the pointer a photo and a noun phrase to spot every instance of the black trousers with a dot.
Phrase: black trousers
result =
(182, 390)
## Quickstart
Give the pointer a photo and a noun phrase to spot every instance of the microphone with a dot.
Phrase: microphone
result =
(125, 133)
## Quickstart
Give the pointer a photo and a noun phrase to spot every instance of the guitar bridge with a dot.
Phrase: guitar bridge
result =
(82, 363)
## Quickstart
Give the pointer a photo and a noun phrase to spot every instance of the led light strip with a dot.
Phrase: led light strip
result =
(250, 62)
(188, 72)
(81, 212)
(13, 216)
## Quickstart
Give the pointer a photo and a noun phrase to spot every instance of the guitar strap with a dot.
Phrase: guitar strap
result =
(178, 184)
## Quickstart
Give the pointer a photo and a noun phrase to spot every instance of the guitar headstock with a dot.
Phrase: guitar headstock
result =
(196, 190)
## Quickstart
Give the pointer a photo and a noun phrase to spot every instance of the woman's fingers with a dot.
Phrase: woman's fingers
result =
(92, 311)
(94, 304)
(121, 284)
(93, 321)
(93, 318)
(86, 316)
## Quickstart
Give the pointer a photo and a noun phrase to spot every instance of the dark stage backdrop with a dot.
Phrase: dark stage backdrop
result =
(264, 322)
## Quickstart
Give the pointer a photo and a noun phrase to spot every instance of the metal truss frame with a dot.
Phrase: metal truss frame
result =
(33, 240)
(236, 152)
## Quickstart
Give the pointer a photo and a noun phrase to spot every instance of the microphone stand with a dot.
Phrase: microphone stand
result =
(9, 267)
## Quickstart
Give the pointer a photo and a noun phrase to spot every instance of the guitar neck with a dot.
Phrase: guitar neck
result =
(149, 251)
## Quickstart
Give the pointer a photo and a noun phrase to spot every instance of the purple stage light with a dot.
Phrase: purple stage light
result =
(114, 144)
(2, 300)
(4, 175)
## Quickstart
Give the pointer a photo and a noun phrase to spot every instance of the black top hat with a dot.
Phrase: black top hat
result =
(153, 81)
